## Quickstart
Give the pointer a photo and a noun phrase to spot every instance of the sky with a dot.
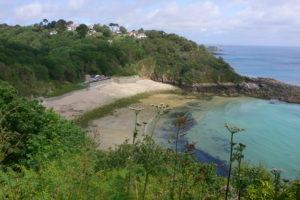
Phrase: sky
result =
(229, 22)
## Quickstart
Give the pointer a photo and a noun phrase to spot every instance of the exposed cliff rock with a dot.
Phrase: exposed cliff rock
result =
(256, 87)
(273, 89)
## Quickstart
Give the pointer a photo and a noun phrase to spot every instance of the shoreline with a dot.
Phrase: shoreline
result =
(263, 88)
(117, 127)
(108, 108)
(76, 103)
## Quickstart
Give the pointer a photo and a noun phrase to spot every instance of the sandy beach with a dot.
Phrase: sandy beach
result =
(76, 103)
(114, 129)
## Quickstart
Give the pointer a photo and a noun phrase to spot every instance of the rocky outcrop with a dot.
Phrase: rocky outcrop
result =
(256, 87)
(273, 89)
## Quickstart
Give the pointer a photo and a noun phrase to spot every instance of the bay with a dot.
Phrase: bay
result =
(281, 63)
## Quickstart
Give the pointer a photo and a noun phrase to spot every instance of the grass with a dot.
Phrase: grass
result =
(108, 109)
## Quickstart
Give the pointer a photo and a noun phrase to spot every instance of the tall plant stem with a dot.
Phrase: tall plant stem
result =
(154, 126)
(230, 166)
(135, 128)
(175, 163)
(145, 185)
(133, 141)
(239, 174)
(129, 180)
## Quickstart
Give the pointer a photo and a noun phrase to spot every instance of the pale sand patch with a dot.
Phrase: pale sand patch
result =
(116, 128)
(76, 103)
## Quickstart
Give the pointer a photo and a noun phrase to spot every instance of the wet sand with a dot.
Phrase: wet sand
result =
(115, 129)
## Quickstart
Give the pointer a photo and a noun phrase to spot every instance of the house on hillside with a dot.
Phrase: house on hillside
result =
(72, 27)
(137, 35)
(91, 30)
(116, 31)
(53, 32)
(141, 36)
(132, 33)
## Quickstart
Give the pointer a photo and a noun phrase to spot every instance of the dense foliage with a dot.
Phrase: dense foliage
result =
(30, 133)
(36, 61)
(46, 157)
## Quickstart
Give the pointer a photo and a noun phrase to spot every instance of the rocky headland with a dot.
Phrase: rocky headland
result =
(265, 88)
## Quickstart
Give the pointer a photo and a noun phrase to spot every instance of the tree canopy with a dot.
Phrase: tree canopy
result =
(82, 30)
(35, 61)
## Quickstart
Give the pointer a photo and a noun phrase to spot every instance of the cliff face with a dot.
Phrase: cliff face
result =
(256, 87)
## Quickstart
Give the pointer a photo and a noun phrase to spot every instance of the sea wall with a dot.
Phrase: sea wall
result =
(120, 80)
(126, 79)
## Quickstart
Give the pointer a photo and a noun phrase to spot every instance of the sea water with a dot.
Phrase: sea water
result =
(271, 136)
(281, 63)
(272, 131)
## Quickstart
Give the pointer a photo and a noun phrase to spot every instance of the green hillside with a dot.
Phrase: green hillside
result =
(46, 57)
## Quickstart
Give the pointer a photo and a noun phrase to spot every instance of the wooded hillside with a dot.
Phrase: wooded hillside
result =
(44, 57)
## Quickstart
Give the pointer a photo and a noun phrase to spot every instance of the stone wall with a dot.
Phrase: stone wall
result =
(126, 79)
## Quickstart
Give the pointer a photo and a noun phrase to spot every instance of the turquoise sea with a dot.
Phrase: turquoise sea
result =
(272, 133)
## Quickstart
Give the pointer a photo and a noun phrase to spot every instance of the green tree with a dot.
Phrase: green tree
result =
(44, 23)
(103, 29)
(82, 30)
(61, 25)
(113, 26)
(51, 25)
(123, 30)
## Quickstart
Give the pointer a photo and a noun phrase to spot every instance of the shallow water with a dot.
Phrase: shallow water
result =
(272, 133)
